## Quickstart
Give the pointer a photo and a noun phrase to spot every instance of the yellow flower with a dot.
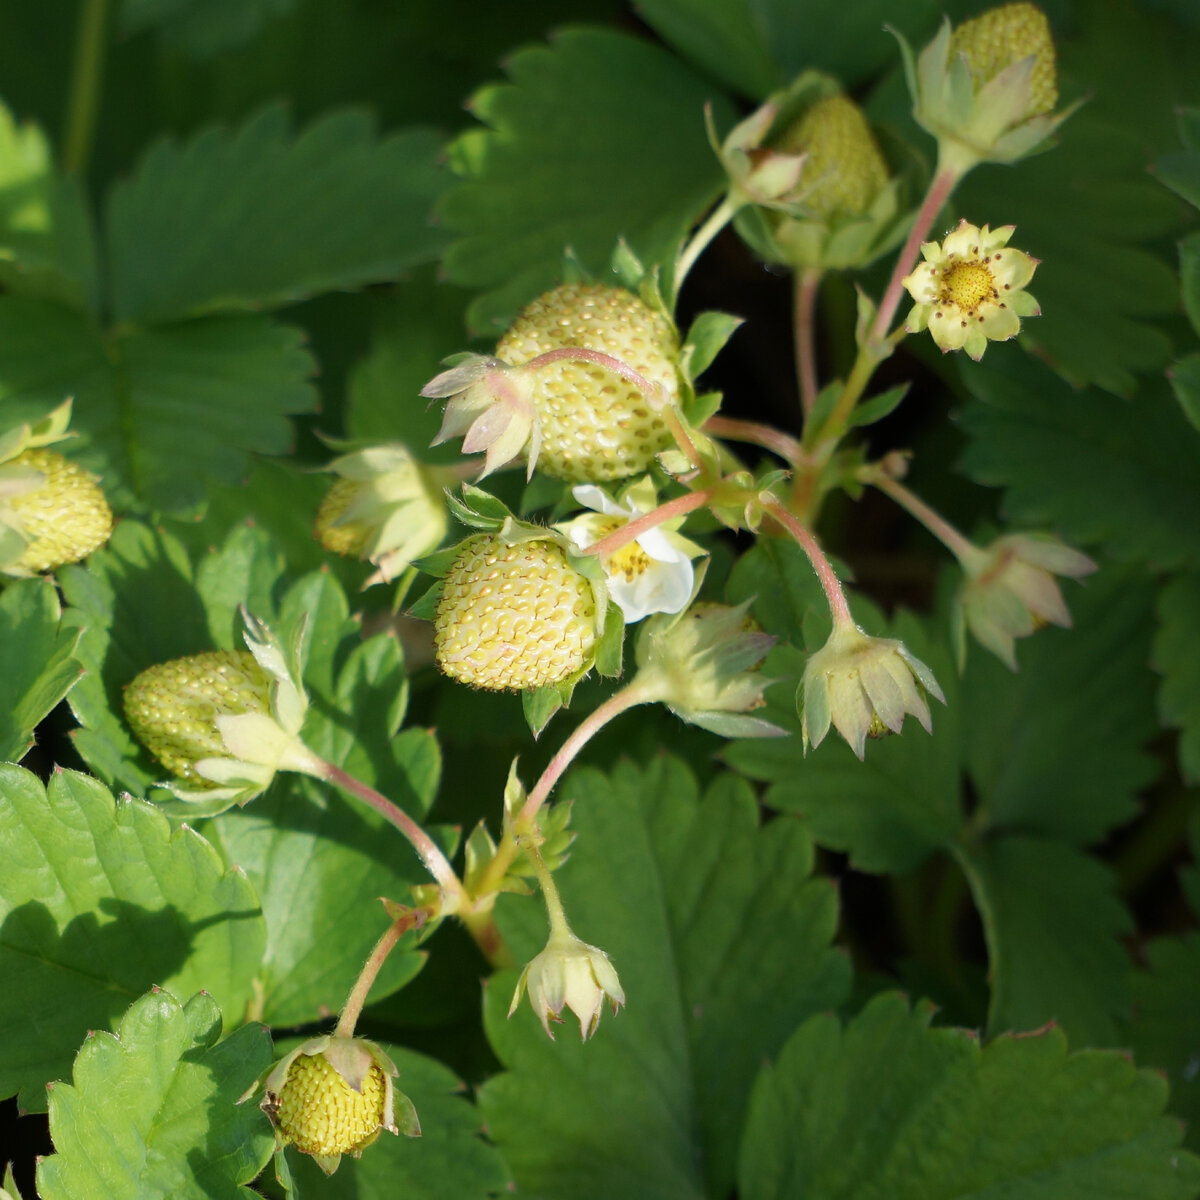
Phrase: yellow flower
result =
(970, 289)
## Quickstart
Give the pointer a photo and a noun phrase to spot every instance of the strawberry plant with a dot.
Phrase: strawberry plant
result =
(819, 381)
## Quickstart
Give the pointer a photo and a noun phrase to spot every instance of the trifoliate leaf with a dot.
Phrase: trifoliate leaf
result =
(152, 1110)
(449, 1161)
(262, 216)
(888, 812)
(598, 137)
(160, 412)
(1057, 748)
(1047, 444)
(46, 246)
(1166, 1030)
(37, 661)
(202, 28)
(1052, 921)
(1177, 656)
(721, 939)
(888, 1107)
(100, 901)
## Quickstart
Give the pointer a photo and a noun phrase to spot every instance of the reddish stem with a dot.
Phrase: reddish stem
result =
(686, 503)
(787, 447)
(807, 283)
(830, 583)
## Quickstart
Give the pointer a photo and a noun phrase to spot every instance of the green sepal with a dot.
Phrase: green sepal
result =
(425, 608)
(706, 405)
(627, 267)
(573, 268)
(706, 338)
(478, 509)
(878, 407)
(438, 563)
(819, 414)
(478, 852)
(540, 704)
(610, 647)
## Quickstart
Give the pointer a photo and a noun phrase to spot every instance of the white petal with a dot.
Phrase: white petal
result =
(598, 500)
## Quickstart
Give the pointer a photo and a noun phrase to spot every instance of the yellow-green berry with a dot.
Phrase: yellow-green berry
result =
(64, 519)
(595, 425)
(172, 707)
(514, 616)
(1002, 36)
(843, 168)
(321, 1114)
(348, 537)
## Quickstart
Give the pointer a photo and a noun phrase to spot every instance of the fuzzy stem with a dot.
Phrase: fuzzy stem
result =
(83, 98)
(686, 503)
(940, 187)
(807, 282)
(683, 439)
(961, 547)
(717, 220)
(830, 584)
(652, 391)
(559, 926)
(371, 968)
(427, 850)
(628, 697)
(787, 447)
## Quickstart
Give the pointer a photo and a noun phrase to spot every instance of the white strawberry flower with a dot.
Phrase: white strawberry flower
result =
(651, 574)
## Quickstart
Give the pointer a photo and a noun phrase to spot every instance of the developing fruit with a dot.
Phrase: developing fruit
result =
(514, 616)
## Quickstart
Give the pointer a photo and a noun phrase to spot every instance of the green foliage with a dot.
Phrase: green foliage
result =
(100, 900)
(37, 662)
(721, 939)
(1177, 656)
(152, 1108)
(617, 124)
(888, 1107)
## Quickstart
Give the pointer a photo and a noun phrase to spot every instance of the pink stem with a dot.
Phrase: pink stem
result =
(830, 583)
(686, 503)
(787, 447)
(628, 697)
(427, 850)
(807, 283)
(941, 529)
(652, 391)
(939, 192)
(371, 968)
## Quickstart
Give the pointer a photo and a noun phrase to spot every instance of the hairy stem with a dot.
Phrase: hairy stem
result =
(941, 529)
(686, 503)
(830, 584)
(554, 905)
(716, 221)
(807, 283)
(786, 446)
(371, 968)
(83, 98)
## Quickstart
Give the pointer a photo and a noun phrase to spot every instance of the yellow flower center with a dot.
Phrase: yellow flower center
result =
(967, 285)
(630, 560)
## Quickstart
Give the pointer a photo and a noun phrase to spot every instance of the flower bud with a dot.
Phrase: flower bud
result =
(333, 1096)
(864, 686)
(569, 974)
(1009, 591)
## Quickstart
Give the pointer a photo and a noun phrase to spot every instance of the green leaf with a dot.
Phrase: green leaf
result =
(202, 28)
(777, 576)
(161, 412)
(1189, 271)
(449, 1161)
(1052, 923)
(888, 1107)
(152, 1110)
(100, 901)
(1177, 656)
(46, 244)
(1166, 1030)
(721, 938)
(878, 407)
(37, 661)
(1057, 748)
(889, 812)
(261, 216)
(599, 137)
(1184, 375)
(707, 337)
(1050, 446)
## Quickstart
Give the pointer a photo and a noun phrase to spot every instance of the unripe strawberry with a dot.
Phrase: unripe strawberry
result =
(64, 519)
(594, 424)
(843, 167)
(172, 707)
(347, 537)
(1002, 36)
(514, 616)
(321, 1114)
